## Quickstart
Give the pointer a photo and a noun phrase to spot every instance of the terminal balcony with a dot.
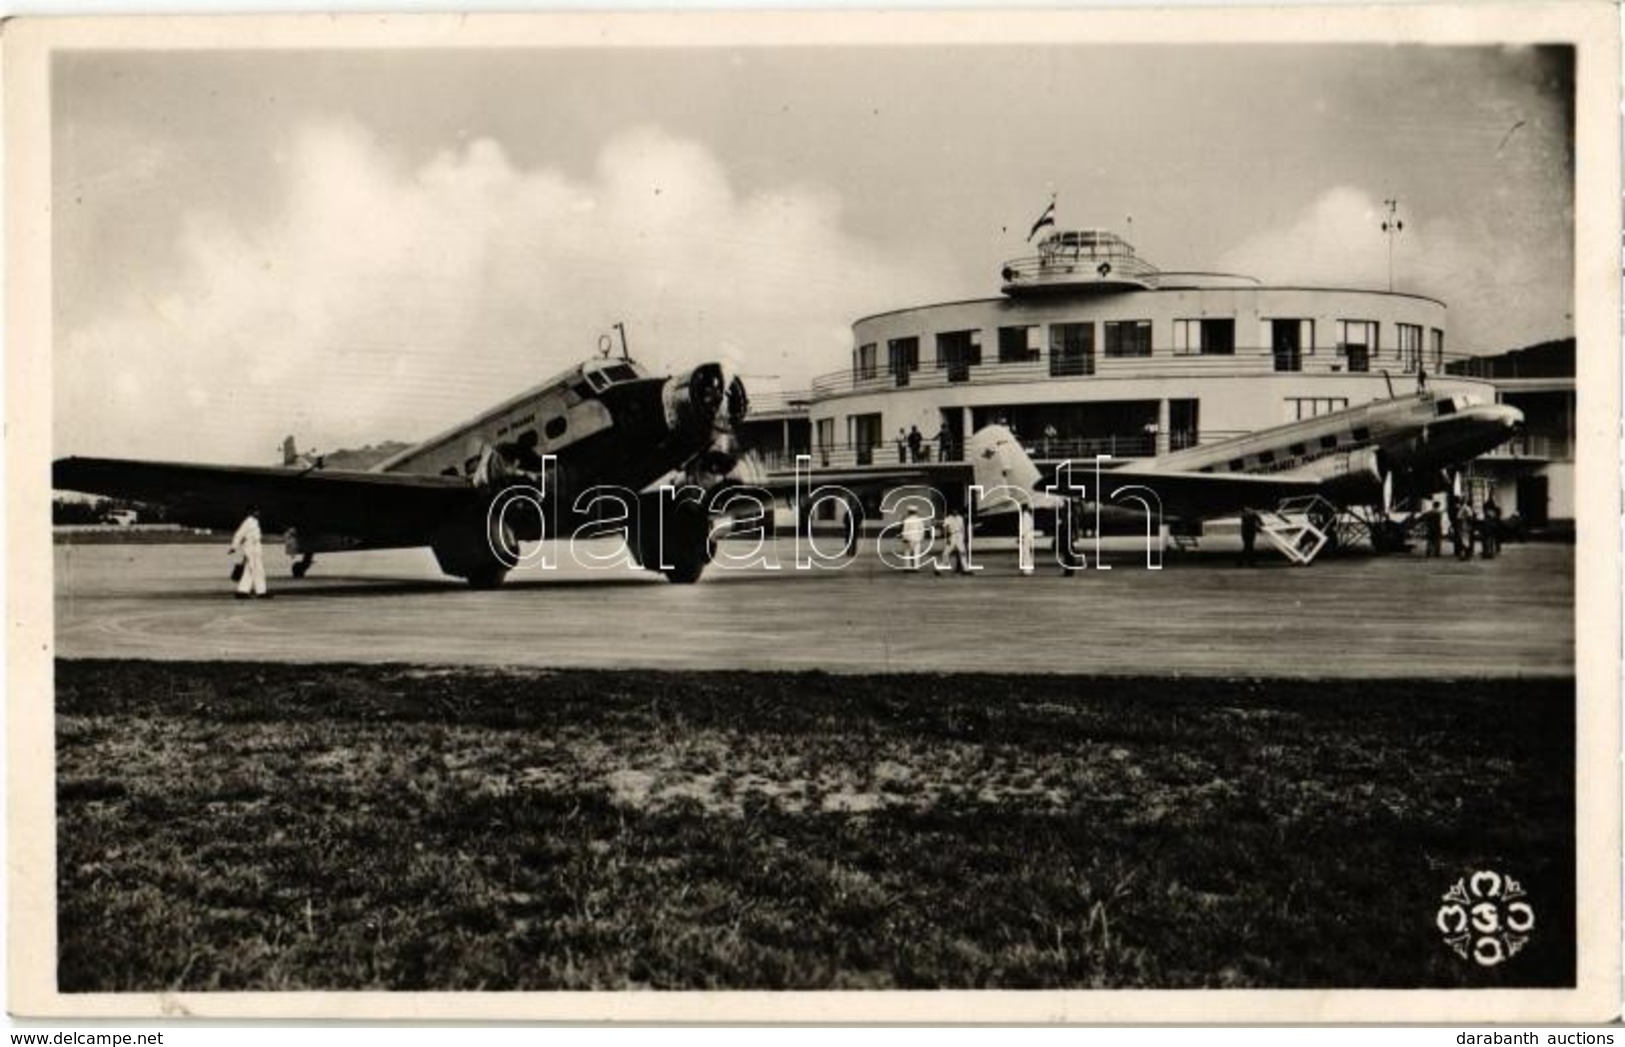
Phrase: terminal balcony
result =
(1162, 362)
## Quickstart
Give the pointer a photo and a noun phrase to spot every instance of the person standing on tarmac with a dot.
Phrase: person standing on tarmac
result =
(1249, 536)
(1491, 530)
(953, 547)
(246, 542)
(1024, 539)
(913, 537)
(1433, 527)
(1466, 523)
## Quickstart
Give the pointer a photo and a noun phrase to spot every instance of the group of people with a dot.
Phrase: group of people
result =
(1467, 528)
(955, 554)
(911, 445)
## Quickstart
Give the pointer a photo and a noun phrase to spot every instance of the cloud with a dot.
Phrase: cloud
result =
(1336, 241)
(1501, 296)
(380, 299)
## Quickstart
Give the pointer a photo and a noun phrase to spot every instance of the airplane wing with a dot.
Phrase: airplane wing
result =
(1197, 496)
(375, 508)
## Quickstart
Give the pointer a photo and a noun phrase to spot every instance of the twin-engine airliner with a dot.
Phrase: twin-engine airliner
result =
(602, 425)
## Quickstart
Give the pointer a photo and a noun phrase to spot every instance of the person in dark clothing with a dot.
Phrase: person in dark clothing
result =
(1433, 528)
(915, 440)
(1491, 528)
(1249, 536)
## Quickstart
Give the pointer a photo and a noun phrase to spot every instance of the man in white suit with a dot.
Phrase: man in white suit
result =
(246, 542)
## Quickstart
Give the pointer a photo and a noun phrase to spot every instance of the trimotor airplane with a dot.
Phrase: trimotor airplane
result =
(1365, 455)
(603, 425)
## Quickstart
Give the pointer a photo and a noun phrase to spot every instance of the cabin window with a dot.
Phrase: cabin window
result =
(1266, 457)
(1329, 441)
(555, 427)
(1299, 450)
(1128, 337)
(1361, 435)
(1018, 344)
(1237, 465)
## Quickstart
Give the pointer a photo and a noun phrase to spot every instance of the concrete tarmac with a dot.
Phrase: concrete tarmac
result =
(1357, 615)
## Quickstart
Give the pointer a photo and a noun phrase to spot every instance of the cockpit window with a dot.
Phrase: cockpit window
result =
(601, 378)
(1446, 405)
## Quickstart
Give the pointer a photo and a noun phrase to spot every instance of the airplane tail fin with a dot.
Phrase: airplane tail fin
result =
(290, 452)
(1002, 469)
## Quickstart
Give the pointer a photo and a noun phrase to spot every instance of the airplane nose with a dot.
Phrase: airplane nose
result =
(697, 395)
(1510, 417)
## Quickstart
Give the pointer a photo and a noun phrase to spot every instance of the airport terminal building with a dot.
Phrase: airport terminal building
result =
(1089, 349)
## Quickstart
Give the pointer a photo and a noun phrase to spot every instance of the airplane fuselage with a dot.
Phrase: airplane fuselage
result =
(1413, 437)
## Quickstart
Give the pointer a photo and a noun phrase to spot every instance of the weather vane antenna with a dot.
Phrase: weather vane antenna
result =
(1392, 226)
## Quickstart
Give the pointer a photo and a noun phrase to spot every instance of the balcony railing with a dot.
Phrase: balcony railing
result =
(1162, 363)
(887, 456)
(1536, 448)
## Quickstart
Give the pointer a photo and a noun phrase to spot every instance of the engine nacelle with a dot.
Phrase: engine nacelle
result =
(1351, 477)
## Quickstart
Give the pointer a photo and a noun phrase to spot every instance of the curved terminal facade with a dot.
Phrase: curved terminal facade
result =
(1091, 350)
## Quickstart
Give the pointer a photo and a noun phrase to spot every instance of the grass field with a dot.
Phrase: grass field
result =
(255, 826)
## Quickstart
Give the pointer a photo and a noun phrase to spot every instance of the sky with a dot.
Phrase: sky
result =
(354, 246)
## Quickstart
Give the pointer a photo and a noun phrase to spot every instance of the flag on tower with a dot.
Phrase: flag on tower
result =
(1047, 218)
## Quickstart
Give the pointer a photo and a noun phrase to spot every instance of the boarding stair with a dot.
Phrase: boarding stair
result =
(1299, 527)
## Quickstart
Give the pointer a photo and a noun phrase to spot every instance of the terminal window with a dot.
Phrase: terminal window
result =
(865, 362)
(902, 358)
(1072, 349)
(1301, 407)
(1018, 344)
(1289, 340)
(1128, 337)
(1410, 347)
(1438, 349)
(1357, 342)
(1215, 337)
(958, 352)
